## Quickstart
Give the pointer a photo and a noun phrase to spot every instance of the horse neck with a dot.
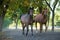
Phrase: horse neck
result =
(30, 13)
(31, 17)
(43, 16)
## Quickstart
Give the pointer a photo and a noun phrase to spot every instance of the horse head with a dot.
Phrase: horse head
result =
(44, 12)
(31, 10)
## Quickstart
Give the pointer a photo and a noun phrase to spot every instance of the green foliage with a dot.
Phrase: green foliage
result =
(58, 23)
(7, 22)
(19, 7)
(58, 9)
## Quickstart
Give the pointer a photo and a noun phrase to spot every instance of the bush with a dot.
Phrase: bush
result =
(58, 23)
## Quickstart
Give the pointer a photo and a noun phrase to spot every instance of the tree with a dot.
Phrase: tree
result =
(16, 16)
(52, 9)
(4, 4)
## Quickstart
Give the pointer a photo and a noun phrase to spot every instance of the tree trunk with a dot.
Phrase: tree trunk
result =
(1, 22)
(16, 23)
(53, 20)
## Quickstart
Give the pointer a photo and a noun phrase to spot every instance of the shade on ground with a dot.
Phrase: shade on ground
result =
(16, 34)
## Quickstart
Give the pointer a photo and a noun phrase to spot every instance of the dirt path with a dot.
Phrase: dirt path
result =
(16, 34)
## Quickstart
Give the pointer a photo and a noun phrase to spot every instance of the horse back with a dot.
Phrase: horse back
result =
(40, 18)
(25, 18)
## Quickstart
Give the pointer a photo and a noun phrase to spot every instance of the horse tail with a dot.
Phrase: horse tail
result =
(33, 20)
(21, 15)
(48, 21)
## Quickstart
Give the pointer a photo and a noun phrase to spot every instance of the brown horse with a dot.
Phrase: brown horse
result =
(26, 20)
(42, 19)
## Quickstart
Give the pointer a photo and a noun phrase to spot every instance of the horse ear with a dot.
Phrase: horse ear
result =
(31, 8)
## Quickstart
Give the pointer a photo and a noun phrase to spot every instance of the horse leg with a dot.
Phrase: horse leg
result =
(36, 25)
(23, 28)
(41, 27)
(46, 27)
(27, 30)
(32, 28)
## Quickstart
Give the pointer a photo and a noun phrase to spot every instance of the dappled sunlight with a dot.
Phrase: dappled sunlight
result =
(13, 26)
(19, 26)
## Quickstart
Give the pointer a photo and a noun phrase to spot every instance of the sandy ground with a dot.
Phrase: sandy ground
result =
(16, 34)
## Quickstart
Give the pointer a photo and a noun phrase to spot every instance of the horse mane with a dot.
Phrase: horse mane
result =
(42, 12)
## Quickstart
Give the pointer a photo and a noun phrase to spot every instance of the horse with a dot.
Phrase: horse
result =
(26, 20)
(42, 19)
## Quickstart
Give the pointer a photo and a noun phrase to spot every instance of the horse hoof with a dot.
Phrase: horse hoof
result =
(26, 34)
(45, 30)
(40, 32)
(23, 33)
(32, 34)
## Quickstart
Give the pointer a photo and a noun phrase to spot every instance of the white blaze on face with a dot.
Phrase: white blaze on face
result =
(31, 12)
(45, 11)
